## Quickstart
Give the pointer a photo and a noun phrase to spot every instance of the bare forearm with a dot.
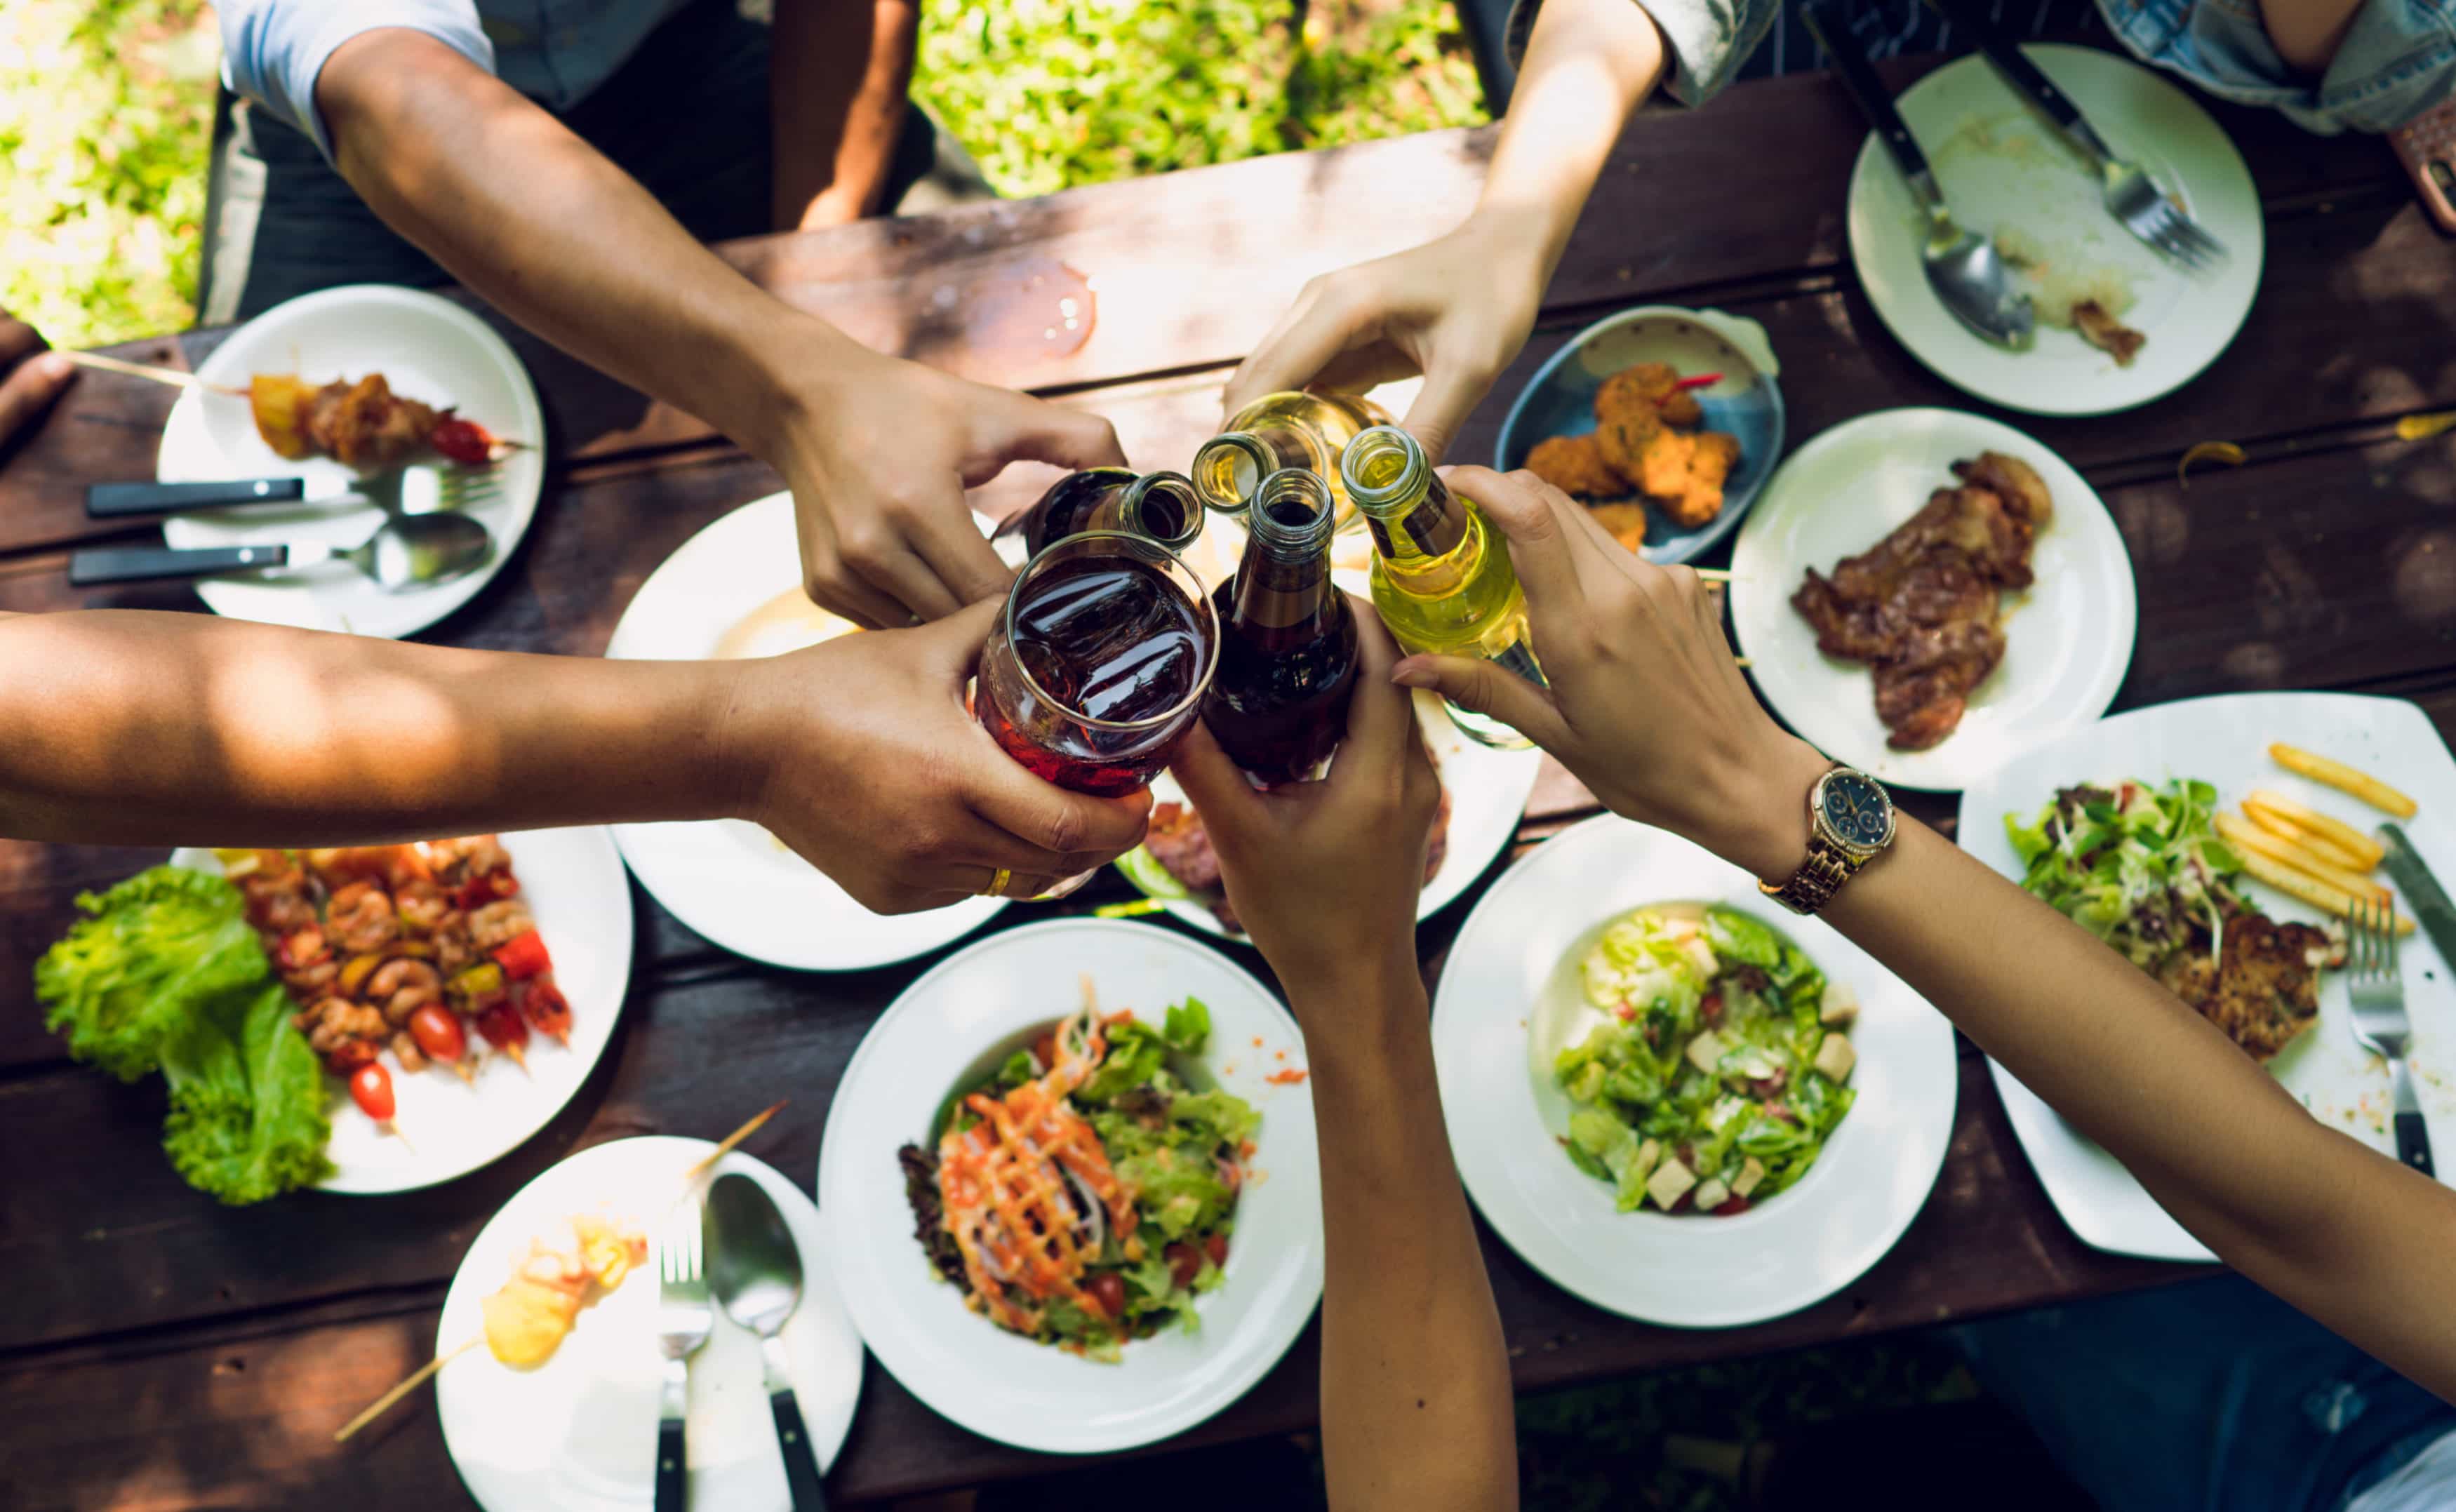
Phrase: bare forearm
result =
(1587, 64)
(838, 79)
(1415, 1378)
(2352, 1238)
(2307, 33)
(522, 211)
(180, 728)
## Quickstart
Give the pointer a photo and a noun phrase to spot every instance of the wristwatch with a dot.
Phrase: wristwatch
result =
(1849, 820)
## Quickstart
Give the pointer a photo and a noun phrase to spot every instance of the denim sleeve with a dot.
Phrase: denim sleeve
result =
(1709, 39)
(273, 50)
(2398, 58)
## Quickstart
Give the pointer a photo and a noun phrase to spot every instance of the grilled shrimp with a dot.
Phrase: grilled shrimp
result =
(400, 988)
(361, 917)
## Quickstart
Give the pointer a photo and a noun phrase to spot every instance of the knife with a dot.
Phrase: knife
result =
(2422, 893)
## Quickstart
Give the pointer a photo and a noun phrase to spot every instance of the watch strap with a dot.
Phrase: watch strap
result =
(1819, 878)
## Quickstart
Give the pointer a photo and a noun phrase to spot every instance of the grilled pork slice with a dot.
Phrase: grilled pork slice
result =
(2107, 333)
(2264, 990)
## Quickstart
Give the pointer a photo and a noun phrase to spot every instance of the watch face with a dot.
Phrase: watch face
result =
(1856, 808)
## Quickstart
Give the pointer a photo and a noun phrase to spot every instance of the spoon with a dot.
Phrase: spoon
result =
(1962, 267)
(405, 552)
(756, 1269)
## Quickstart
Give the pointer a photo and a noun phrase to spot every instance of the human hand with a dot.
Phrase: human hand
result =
(1646, 707)
(1456, 308)
(1325, 874)
(31, 375)
(860, 755)
(878, 456)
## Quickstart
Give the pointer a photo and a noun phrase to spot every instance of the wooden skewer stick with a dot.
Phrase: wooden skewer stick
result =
(724, 1147)
(1715, 575)
(377, 1410)
(144, 370)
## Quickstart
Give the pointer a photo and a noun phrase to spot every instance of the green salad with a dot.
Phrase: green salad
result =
(1084, 1195)
(2140, 867)
(1720, 1066)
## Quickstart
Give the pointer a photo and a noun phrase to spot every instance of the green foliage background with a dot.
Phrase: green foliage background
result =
(106, 118)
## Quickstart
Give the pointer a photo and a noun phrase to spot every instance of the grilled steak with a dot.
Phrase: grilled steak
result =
(2264, 991)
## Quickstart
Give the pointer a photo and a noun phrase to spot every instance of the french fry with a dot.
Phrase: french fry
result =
(2245, 836)
(2343, 778)
(2337, 833)
(2309, 888)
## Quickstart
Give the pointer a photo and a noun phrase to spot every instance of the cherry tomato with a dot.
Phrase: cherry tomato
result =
(437, 1032)
(371, 1086)
(523, 956)
(1108, 1290)
(1184, 1263)
(502, 1027)
(461, 440)
(543, 1005)
(1216, 1247)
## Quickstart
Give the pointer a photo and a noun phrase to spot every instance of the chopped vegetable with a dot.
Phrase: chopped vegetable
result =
(2140, 867)
(523, 956)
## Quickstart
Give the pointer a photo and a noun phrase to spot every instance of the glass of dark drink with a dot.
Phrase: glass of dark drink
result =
(1098, 664)
(1287, 638)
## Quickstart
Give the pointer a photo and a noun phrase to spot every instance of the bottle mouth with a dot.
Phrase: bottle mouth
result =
(1168, 508)
(1228, 470)
(1384, 469)
(1291, 516)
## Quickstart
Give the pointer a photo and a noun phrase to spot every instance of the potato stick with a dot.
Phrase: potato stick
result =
(2286, 830)
(2244, 835)
(2344, 779)
(2309, 890)
(2365, 851)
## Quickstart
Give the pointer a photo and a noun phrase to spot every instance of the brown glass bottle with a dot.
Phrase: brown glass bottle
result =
(1277, 704)
(1159, 506)
(1277, 431)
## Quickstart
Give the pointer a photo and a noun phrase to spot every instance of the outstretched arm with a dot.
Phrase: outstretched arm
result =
(876, 450)
(1415, 1378)
(1648, 707)
(135, 727)
(1457, 309)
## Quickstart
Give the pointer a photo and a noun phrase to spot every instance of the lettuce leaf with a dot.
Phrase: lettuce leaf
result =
(150, 951)
(247, 1117)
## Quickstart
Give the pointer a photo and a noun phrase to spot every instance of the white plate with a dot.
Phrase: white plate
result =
(572, 881)
(735, 590)
(999, 1384)
(428, 349)
(1516, 963)
(1487, 789)
(2224, 741)
(2067, 637)
(2032, 181)
(579, 1433)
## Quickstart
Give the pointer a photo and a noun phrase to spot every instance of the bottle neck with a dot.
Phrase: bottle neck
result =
(1157, 507)
(1423, 533)
(1284, 578)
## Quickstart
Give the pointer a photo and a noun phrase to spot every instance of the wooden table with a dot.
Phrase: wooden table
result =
(159, 1351)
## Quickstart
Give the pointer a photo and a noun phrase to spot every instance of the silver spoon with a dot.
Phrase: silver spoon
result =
(756, 1269)
(405, 552)
(1962, 267)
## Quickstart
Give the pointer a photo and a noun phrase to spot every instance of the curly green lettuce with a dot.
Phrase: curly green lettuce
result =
(165, 974)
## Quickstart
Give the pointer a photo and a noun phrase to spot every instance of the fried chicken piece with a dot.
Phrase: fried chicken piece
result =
(1626, 522)
(1680, 410)
(1624, 437)
(1575, 466)
(1663, 464)
(2107, 333)
(1643, 386)
(1700, 498)
(2264, 991)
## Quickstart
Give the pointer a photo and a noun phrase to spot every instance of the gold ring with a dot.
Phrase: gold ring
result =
(998, 884)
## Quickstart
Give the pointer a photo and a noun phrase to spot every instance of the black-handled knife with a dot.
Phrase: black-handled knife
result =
(121, 501)
(2428, 902)
(1875, 102)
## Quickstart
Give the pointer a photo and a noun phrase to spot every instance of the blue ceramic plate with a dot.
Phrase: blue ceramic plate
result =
(1560, 400)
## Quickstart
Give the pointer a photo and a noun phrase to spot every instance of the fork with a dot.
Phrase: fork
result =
(2379, 1022)
(417, 489)
(684, 1318)
(2131, 197)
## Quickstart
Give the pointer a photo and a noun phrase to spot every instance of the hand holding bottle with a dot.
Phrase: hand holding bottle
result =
(1326, 873)
(1455, 310)
(1645, 706)
(878, 455)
